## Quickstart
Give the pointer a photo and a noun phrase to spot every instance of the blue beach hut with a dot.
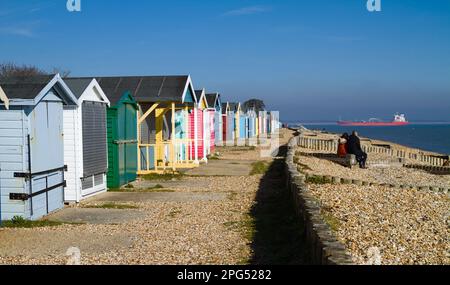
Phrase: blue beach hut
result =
(32, 145)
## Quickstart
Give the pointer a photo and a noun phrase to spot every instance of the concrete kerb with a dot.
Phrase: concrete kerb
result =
(324, 247)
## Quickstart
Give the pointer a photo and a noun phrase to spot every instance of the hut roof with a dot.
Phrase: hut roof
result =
(146, 88)
(25, 87)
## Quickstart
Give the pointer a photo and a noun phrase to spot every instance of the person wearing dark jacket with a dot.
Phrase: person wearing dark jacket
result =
(354, 147)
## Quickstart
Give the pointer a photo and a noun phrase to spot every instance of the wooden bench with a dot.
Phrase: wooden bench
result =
(348, 161)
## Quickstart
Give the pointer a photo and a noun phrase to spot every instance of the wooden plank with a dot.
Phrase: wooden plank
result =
(4, 125)
(11, 150)
(146, 114)
(10, 158)
(11, 141)
(10, 133)
(11, 166)
(6, 116)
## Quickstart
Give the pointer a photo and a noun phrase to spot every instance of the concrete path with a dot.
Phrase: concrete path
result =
(115, 217)
(223, 168)
(96, 216)
(158, 197)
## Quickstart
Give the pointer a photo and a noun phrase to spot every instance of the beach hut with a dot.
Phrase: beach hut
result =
(228, 124)
(236, 113)
(164, 106)
(32, 166)
(215, 105)
(243, 124)
(85, 146)
(122, 140)
(234, 108)
(274, 121)
(208, 107)
(251, 122)
(202, 126)
(262, 123)
(215, 116)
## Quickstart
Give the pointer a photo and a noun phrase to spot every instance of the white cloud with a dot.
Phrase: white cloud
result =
(247, 11)
(24, 30)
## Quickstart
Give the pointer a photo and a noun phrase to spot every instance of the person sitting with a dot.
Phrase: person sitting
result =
(354, 147)
(342, 147)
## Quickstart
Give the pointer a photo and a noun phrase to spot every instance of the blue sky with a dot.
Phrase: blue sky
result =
(312, 60)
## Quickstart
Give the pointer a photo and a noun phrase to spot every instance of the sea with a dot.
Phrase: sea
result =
(433, 137)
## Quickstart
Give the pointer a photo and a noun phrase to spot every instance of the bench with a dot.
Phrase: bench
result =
(348, 161)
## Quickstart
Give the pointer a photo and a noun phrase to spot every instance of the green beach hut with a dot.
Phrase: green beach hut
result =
(122, 140)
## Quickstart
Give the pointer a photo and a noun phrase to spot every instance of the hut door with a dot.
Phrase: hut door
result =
(47, 159)
(94, 147)
(128, 149)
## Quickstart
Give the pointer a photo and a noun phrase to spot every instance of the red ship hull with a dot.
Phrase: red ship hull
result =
(373, 124)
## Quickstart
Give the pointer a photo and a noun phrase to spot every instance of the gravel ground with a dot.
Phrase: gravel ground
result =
(169, 233)
(380, 175)
(189, 232)
(408, 227)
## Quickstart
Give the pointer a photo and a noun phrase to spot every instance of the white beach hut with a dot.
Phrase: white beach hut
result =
(85, 140)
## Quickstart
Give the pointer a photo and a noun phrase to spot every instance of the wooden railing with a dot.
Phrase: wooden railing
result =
(164, 156)
(331, 145)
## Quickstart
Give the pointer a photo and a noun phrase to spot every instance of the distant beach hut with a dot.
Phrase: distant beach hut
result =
(263, 122)
(251, 122)
(228, 124)
(203, 129)
(236, 112)
(215, 105)
(85, 145)
(275, 123)
(32, 145)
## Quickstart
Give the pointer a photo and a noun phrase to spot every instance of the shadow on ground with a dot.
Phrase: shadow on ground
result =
(277, 236)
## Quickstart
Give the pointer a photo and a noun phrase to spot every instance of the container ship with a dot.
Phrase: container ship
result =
(399, 120)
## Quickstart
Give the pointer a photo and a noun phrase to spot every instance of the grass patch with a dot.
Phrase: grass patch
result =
(320, 180)
(214, 157)
(332, 221)
(241, 148)
(245, 226)
(174, 213)
(129, 186)
(113, 206)
(259, 167)
(157, 189)
(304, 166)
(232, 196)
(19, 222)
(162, 177)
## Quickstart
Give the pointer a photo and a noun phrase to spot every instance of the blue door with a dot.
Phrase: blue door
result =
(47, 158)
